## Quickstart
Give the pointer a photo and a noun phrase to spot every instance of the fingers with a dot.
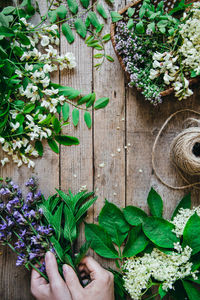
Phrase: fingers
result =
(92, 267)
(52, 268)
(37, 281)
(72, 282)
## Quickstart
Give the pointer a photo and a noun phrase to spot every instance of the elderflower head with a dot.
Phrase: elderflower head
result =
(166, 268)
(182, 217)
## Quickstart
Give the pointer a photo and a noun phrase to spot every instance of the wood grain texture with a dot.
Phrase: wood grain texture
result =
(113, 158)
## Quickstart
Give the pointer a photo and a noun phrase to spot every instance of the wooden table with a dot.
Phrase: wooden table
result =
(121, 137)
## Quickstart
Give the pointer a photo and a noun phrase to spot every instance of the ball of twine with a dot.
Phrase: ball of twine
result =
(184, 151)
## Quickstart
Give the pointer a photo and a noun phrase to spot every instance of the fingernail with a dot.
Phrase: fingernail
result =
(65, 268)
(48, 254)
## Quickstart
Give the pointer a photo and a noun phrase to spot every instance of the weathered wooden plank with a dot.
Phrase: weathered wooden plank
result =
(76, 169)
(109, 133)
(143, 123)
(15, 281)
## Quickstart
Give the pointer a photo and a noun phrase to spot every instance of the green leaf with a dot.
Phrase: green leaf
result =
(109, 58)
(66, 198)
(102, 11)
(73, 6)
(192, 291)
(57, 247)
(101, 103)
(75, 116)
(57, 218)
(134, 215)
(53, 145)
(24, 40)
(3, 20)
(39, 147)
(140, 27)
(159, 231)
(69, 225)
(66, 30)
(82, 253)
(106, 38)
(152, 26)
(91, 101)
(98, 55)
(162, 293)
(100, 241)
(80, 27)
(155, 203)
(115, 16)
(184, 203)
(65, 111)
(88, 119)
(85, 3)
(142, 12)
(84, 208)
(3, 53)
(8, 10)
(5, 31)
(56, 125)
(191, 233)
(52, 16)
(29, 108)
(66, 140)
(111, 219)
(136, 243)
(130, 24)
(130, 12)
(61, 11)
(94, 20)
(85, 99)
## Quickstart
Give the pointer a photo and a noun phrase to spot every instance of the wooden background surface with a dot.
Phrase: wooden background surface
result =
(128, 121)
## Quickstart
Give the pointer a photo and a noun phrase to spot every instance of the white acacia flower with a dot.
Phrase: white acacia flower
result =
(167, 78)
(49, 132)
(14, 126)
(51, 52)
(2, 140)
(45, 41)
(4, 161)
(45, 82)
(28, 67)
(154, 74)
(31, 164)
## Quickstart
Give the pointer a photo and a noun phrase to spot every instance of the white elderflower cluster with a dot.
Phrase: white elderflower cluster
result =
(166, 268)
(39, 59)
(181, 219)
(175, 67)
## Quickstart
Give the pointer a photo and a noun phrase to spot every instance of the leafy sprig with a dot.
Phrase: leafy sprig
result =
(129, 232)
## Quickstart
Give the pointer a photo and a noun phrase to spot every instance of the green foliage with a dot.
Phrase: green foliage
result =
(184, 203)
(159, 231)
(100, 241)
(136, 242)
(155, 203)
(191, 234)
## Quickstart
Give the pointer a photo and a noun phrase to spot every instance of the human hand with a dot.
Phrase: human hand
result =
(56, 289)
(101, 286)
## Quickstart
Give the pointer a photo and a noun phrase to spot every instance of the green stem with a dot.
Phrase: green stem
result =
(42, 274)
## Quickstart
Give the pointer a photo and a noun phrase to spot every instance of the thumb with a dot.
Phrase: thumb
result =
(72, 282)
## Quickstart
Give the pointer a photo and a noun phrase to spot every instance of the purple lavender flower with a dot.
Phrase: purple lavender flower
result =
(20, 259)
(38, 195)
(29, 197)
(4, 191)
(19, 245)
(42, 268)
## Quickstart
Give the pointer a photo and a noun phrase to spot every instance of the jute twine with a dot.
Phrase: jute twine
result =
(184, 151)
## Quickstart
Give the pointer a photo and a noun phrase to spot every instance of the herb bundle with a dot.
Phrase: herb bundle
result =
(32, 225)
(30, 101)
(160, 50)
(151, 253)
